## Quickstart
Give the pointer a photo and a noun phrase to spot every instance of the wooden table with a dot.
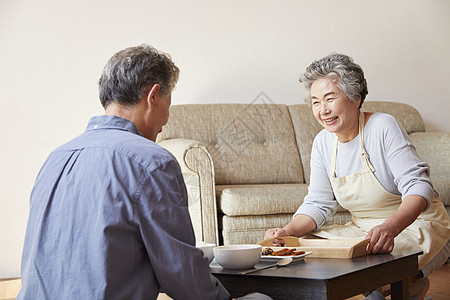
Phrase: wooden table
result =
(325, 278)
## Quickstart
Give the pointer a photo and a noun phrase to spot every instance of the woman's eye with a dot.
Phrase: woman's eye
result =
(330, 99)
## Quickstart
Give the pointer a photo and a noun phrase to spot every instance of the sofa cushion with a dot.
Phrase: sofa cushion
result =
(306, 128)
(407, 116)
(249, 229)
(261, 199)
(248, 143)
(442, 187)
(433, 147)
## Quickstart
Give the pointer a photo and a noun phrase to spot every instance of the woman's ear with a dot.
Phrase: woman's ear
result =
(359, 101)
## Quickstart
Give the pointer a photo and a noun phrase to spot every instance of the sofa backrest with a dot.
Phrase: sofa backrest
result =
(306, 128)
(406, 115)
(433, 147)
(249, 144)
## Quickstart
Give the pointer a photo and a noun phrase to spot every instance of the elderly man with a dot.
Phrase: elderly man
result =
(108, 215)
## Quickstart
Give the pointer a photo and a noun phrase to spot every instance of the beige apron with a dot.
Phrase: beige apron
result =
(370, 204)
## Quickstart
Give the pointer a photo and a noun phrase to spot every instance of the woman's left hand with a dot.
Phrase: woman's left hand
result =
(382, 236)
(381, 239)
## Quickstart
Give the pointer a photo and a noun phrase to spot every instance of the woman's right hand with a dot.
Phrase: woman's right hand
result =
(299, 226)
(276, 233)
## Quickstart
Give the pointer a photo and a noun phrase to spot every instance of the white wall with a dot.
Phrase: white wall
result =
(52, 53)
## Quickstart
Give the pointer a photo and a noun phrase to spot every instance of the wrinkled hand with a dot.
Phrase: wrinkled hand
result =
(276, 233)
(381, 239)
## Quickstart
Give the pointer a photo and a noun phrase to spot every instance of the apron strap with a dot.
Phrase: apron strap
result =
(365, 161)
(333, 159)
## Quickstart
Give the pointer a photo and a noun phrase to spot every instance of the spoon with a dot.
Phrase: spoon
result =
(281, 263)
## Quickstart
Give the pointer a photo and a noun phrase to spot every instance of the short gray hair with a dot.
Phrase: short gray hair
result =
(129, 73)
(341, 69)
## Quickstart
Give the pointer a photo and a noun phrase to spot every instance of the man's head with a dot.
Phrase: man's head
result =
(137, 84)
(130, 73)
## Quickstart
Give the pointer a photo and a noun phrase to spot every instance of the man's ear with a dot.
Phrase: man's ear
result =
(153, 94)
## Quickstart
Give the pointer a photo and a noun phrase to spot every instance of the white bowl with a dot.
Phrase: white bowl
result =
(207, 249)
(237, 256)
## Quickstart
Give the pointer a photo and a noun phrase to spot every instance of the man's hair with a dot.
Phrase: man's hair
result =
(129, 74)
(340, 69)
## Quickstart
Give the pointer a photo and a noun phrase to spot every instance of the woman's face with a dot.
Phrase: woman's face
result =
(334, 110)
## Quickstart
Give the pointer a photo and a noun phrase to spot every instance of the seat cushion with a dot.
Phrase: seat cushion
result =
(247, 211)
(260, 199)
(249, 229)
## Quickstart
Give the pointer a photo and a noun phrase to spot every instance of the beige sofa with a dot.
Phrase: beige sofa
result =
(246, 167)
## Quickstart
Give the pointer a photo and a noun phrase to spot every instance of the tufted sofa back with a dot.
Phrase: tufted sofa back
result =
(256, 139)
(406, 115)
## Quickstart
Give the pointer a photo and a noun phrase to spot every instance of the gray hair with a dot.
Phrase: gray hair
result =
(341, 69)
(129, 73)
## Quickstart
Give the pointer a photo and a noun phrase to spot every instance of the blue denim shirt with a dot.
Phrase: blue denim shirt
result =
(109, 220)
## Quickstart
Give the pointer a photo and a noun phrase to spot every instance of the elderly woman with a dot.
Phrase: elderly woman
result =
(366, 163)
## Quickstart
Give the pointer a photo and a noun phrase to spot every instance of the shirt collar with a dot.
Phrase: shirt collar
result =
(111, 122)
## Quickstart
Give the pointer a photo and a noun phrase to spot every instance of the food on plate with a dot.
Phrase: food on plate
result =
(282, 252)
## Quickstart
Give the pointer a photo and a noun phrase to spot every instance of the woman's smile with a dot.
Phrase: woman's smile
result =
(330, 121)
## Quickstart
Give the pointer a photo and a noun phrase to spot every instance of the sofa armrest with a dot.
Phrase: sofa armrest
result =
(198, 171)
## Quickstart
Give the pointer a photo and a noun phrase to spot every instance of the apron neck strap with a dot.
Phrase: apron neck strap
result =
(363, 154)
(361, 132)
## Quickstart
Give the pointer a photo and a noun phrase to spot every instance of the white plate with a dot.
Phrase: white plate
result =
(295, 257)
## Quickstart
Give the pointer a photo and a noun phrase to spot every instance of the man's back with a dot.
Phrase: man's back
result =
(87, 215)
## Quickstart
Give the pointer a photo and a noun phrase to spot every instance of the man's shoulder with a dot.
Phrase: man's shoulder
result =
(117, 145)
(143, 149)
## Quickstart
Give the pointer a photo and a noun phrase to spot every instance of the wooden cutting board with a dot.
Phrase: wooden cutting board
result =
(325, 248)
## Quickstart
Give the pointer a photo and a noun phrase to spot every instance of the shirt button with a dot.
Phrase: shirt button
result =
(95, 127)
(217, 146)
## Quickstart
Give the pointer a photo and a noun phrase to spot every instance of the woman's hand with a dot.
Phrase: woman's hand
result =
(276, 233)
(299, 226)
(382, 236)
(381, 239)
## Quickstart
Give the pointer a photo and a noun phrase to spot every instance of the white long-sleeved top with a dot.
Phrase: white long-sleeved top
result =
(397, 166)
